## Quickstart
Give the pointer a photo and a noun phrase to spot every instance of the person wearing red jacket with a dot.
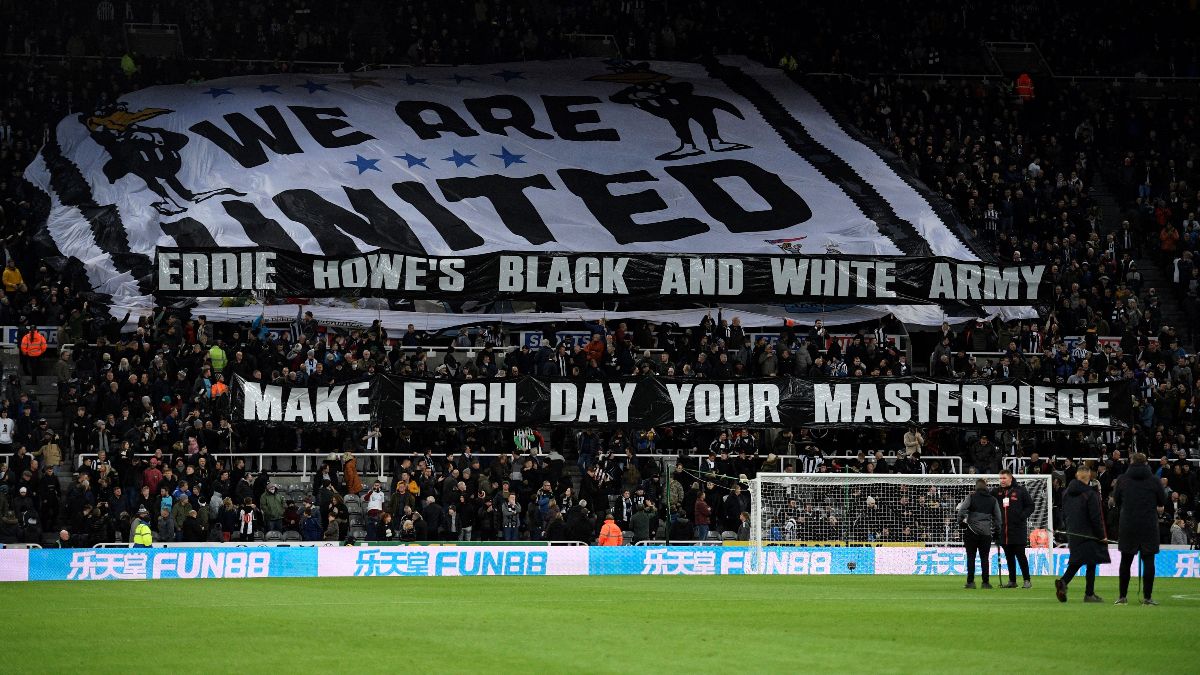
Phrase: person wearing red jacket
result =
(703, 513)
(152, 476)
(1024, 87)
(595, 349)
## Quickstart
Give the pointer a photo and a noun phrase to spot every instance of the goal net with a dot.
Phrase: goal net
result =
(835, 509)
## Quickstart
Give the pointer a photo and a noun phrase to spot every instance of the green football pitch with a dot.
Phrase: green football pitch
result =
(591, 624)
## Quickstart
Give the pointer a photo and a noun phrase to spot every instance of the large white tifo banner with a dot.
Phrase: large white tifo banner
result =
(574, 156)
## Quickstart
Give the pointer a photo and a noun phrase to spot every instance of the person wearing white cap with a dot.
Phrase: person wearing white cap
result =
(29, 524)
(25, 501)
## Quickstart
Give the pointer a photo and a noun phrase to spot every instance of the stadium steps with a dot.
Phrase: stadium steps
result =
(1153, 273)
(1154, 276)
(46, 393)
(1110, 208)
(571, 469)
(367, 31)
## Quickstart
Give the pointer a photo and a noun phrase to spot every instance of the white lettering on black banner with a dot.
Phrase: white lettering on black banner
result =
(645, 402)
(654, 278)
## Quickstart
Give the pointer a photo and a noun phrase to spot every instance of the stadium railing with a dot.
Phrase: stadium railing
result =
(1137, 85)
(518, 542)
(1018, 464)
(10, 335)
(310, 462)
(223, 544)
(956, 461)
(298, 65)
(294, 544)
(373, 463)
(677, 542)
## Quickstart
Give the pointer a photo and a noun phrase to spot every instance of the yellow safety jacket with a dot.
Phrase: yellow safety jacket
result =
(142, 535)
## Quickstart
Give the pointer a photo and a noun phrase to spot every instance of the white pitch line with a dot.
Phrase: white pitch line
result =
(373, 603)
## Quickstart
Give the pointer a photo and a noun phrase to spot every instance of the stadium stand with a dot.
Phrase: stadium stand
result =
(1107, 195)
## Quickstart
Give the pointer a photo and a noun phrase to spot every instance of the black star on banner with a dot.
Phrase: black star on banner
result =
(269, 88)
(216, 92)
(357, 82)
(509, 75)
(459, 79)
(415, 80)
(313, 86)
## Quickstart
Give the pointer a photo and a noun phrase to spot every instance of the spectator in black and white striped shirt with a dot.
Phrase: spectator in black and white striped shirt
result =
(991, 221)
(811, 461)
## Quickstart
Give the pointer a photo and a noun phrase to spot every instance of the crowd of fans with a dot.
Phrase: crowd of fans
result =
(147, 416)
(942, 36)
(1019, 173)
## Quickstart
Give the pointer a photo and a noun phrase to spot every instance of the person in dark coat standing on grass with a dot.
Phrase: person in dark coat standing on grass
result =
(1086, 534)
(1015, 507)
(1139, 496)
(979, 512)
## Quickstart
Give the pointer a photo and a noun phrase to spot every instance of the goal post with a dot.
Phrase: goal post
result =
(867, 509)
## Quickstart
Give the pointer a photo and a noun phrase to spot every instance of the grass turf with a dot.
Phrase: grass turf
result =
(590, 624)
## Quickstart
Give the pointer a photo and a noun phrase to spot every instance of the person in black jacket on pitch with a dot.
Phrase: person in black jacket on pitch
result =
(1015, 507)
(1086, 534)
(1139, 496)
(980, 513)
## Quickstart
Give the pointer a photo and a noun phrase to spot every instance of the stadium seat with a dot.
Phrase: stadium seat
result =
(274, 535)
(291, 535)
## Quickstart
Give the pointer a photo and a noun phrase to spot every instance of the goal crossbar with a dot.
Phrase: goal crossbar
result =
(870, 509)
